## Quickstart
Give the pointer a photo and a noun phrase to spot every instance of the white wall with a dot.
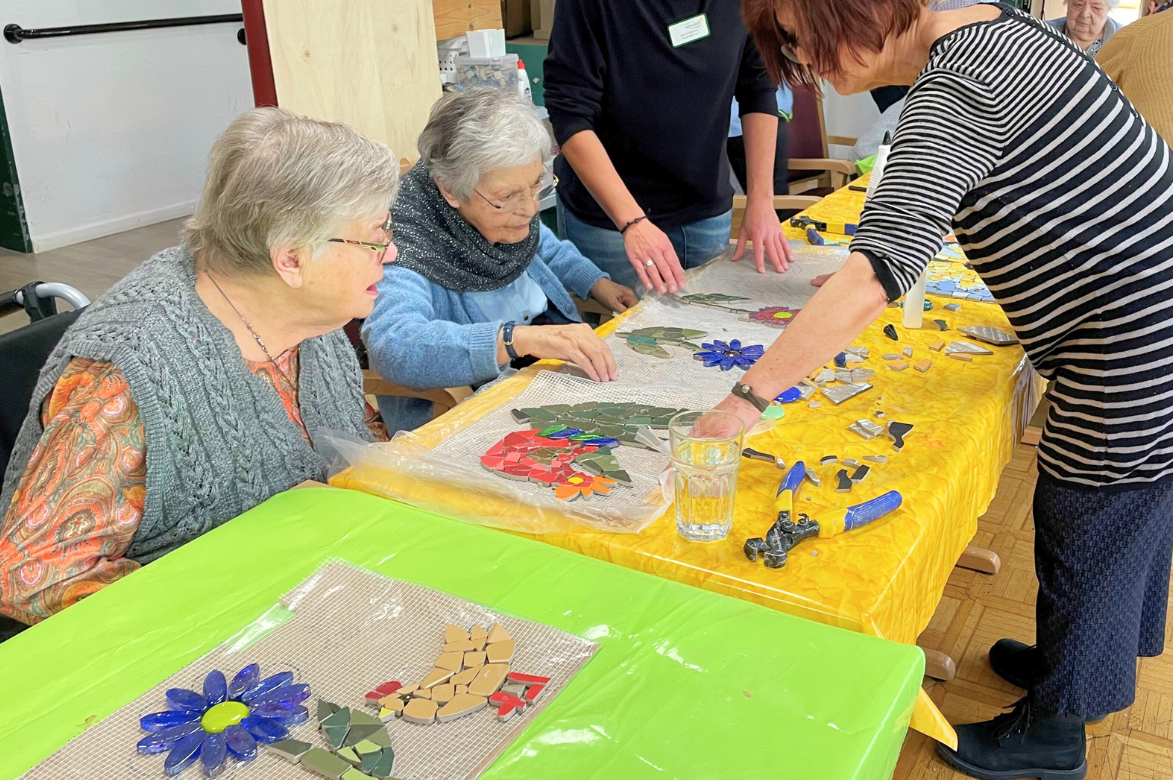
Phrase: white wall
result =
(112, 131)
(848, 115)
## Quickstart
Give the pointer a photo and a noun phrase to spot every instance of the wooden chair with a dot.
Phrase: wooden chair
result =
(442, 399)
(809, 160)
(781, 202)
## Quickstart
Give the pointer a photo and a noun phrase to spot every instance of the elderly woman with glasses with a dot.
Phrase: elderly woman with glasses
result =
(1087, 23)
(481, 283)
(201, 384)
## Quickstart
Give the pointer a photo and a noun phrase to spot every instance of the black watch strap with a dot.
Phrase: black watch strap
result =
(507, 337)
(745, 391)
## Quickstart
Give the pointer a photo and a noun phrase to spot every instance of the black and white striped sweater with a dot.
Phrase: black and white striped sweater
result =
(1062, 197)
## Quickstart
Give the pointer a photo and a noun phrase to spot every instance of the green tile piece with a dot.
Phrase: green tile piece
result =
(339, 718)
(360, 732)
(358, 717)
(366, 746)
(381, 738)
(654, 350)
(639, 421)
(552, 429)
(325, 709)
(647, 340)
(370, 760)
(386, 764)
(335, 735)
(325, 763)
(349, 756)
(290, 749)
(353, 774)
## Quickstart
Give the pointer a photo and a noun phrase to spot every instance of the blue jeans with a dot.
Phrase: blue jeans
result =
(695, 244)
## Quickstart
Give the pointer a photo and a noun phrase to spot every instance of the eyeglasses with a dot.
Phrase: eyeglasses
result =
(380, 248)
(520, 199)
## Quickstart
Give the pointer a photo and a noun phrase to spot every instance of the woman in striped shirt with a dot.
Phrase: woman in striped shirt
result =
(1062, 196)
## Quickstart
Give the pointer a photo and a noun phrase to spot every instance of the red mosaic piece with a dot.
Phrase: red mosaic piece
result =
(780, 316)
(528, 679)
(511, 458)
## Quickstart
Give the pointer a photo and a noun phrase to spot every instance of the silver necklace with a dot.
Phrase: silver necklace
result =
(248, 325)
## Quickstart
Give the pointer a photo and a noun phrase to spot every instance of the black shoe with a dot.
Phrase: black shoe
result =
(1016, 663)
(1023, 743)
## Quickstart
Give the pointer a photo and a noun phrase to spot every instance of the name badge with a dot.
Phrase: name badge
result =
(689, 30)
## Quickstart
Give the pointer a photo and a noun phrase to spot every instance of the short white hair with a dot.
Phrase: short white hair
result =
(1111, 3)
(475, 131)
(276, 178)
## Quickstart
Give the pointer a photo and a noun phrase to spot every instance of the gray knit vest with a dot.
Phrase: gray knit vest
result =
(218, 439)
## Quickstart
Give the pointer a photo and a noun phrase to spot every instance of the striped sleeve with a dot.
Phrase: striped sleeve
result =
(950, 136)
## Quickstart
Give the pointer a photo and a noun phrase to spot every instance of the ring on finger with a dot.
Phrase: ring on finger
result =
(649, 263)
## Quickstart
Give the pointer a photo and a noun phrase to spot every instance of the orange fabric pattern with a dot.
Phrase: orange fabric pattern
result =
(80, 500)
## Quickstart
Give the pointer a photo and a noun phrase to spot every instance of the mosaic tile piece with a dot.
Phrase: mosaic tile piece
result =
(729, 355)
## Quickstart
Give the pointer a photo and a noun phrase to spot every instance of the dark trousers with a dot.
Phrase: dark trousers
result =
(1102, 558)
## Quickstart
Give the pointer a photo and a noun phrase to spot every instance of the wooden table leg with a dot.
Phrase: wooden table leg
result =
(938, 665)
(980, 559)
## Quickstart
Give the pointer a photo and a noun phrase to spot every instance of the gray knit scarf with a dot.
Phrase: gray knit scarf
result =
(438, 244)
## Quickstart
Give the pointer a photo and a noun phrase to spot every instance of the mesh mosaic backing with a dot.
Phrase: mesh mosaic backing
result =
(792, 288)
(626, 508)
(352, 629)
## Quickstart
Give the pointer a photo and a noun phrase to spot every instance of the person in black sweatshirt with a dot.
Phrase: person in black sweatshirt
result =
(639, 93)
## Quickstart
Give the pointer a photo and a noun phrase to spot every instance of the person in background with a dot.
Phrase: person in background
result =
(1087, 23)
(1062, 198)
(200, 385)
(1139, 59)
(631, 89)
(735, 144)
(481, 282)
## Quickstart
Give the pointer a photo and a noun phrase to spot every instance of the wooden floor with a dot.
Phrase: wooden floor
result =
(91, 266)
(977, 610)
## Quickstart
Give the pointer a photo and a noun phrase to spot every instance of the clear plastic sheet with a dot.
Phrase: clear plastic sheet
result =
(428, 469)
(343, 631)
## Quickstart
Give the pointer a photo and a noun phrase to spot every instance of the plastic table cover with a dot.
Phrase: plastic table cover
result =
(685, 684)
(885, 580)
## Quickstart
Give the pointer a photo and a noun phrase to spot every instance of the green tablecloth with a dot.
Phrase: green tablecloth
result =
(686, 683)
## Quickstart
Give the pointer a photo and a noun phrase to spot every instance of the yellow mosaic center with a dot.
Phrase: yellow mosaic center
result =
(782, 315)
(575, 480)
(223, 715)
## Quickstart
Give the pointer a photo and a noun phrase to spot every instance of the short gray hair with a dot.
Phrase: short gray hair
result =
(1111, 3)
(475, 131)
(276, 178)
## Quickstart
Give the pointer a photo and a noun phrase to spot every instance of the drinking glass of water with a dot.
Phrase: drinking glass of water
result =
(706, 451)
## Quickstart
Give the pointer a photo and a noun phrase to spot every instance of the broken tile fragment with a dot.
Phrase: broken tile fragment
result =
(941, 324)
(813, 478)
(828, 459)
(989, 335)
(953, 306)
(464, 704)
(899, 365)
(528, 679)
(454, 634)
(452, 662)
(892, 356)
(392, 709)
(965, 347)
(937, 345)
(420, 711)
(866, 428)
(497, 634)
(907, 352)
(324, 763)
(435, 677)
(442, 694)
(851, 463)
(896, 432)
(290, 749)
(962, 357)
(838, 395)
(348, 755)
(488, 680)
(890, 332)
(844, 482)
(923, 365)
(860, 474)
(500, 652)
(474, 659)
(463, 646)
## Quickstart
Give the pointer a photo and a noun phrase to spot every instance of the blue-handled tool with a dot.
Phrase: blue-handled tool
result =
(785, 533)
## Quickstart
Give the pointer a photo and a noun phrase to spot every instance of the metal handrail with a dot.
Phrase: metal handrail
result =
(14, 33)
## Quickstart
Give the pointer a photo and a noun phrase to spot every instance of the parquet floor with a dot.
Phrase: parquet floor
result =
(978, 609)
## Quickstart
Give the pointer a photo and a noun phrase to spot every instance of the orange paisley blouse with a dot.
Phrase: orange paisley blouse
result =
(80, 500)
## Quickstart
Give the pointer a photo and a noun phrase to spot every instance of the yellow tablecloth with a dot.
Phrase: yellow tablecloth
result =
(886, 580)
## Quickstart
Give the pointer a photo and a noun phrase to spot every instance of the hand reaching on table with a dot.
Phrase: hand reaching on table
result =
(576, 344)
(615, 296)
(760, 226)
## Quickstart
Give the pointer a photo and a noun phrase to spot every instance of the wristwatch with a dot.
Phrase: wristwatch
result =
(507, 337)
(746, 392)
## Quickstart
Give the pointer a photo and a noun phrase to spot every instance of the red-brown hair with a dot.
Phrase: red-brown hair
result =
(824, 28)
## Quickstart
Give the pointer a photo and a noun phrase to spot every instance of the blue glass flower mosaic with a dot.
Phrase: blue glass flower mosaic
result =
(228, 720)
(729, 355)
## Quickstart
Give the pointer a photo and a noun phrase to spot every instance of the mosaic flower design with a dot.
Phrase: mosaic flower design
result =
(780, 316)
(573, 468)
(729, 355)
(228, 720)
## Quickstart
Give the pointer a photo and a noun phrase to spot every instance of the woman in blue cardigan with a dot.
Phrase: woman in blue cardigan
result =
(480, 283)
